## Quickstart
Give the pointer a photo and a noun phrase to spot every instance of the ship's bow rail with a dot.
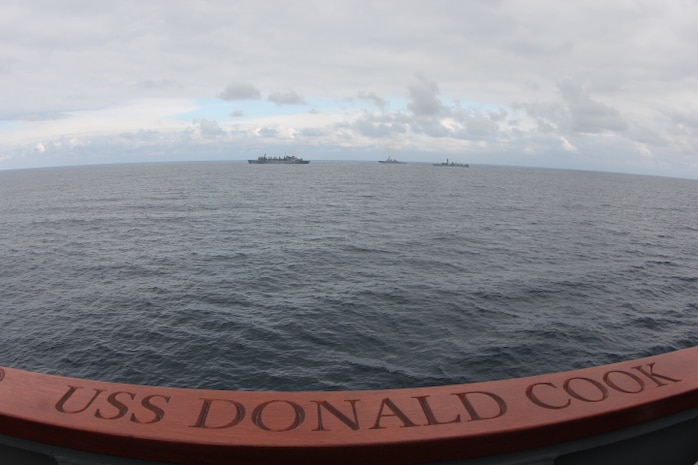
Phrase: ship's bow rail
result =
(640, 410)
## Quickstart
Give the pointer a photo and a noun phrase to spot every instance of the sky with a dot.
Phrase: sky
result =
(590, 85)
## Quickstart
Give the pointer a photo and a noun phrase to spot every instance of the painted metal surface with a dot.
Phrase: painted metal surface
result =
(399, 426)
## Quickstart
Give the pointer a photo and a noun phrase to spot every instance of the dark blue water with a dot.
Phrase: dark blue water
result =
(340, 275)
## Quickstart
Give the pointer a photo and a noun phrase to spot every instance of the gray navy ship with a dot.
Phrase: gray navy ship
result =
(393, 161)
(285, 160)
(451, 163)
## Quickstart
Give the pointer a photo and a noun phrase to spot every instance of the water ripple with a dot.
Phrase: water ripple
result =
(340, 276)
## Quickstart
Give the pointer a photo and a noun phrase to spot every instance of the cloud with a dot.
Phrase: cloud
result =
(239, 91)
(141, 136)
(381, 125)
(474, 124)
(424, 98)
(682, 128)
(567, 146)
(286, 98)
(576, 111)
(588, 115)
(268, 132)
(315, 132)
(208, 129)
(515, 77)
(150, 84)
(374, 99)
(43, 116)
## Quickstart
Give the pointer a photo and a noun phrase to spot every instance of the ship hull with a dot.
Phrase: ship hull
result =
(278, 162)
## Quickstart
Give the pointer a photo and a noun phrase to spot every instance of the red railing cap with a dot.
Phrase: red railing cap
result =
(378, 426)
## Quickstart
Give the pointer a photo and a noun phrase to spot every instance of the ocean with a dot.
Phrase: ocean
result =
(340, 275)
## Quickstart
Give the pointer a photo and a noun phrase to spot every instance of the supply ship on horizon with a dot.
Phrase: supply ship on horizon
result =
(285, 160)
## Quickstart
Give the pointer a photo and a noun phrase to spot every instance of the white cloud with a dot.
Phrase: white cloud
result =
(587, 115)
(492, 78)
(286, 98)
(424, 98)
(268, 131)
(132, 115)
(374, 99)
(153, 84)
(567, 146)
(238, 91)
(381, 125)
(208, 129)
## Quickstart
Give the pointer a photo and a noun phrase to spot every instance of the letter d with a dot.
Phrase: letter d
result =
(206, 407)
(474, 415)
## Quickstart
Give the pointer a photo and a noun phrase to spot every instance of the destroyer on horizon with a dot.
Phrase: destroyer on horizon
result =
(447, 163)
(285, 160)
(392, 161)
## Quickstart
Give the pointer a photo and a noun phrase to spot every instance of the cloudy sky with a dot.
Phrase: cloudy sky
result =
(596, 85)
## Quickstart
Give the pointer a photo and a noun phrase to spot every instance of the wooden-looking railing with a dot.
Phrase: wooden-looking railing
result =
(400, 426)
